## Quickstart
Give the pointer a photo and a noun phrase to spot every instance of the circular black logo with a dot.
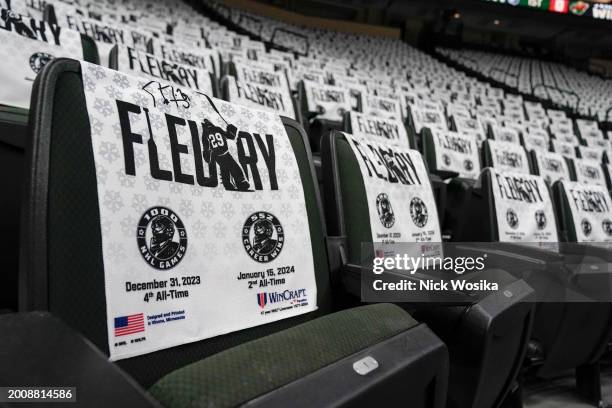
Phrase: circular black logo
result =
(540, 218)
(162, 238)
(446, 159)
(38, 60)
(263, 236)
(607, 226)
(418, 212)
(512, 218)
(586, 227)
(468, 165)
(385, 211)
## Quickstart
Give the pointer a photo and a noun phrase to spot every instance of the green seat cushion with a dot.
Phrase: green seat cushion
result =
(242, 373)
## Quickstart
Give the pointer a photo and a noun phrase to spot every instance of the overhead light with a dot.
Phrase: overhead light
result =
(496, 22)
(457, 15)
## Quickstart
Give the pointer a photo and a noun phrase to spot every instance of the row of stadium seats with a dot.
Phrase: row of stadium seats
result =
(168, 103)
(585, 94)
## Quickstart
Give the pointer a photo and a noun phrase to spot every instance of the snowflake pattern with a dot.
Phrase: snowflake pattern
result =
(103, 106)
(219, 229)
(128, 225)
(116, 251)
(186, 208)
(113, 92)
(109, 151)
(227, 210)
(125, 180)
(121, 80)
(102, 174)
(164, 201)
(113, 200)
(97, 71)
(199, 228)
(213, 216)
(139, 202)
(151, 184)
(207, 210)
(96, 126)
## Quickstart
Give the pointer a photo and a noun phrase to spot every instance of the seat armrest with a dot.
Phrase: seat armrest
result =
(39, 350)
(512, 256)
(586, 250)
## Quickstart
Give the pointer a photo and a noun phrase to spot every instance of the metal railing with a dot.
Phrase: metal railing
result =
(305, 41)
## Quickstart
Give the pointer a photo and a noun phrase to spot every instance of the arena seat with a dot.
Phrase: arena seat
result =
(487, 340)
(589, 172)
(131, 60)
(456, 159)
(29, 51)
(324, 358)
(264, 89)
(551, 166)
(505, 156)
(323, 107)
(563, 338)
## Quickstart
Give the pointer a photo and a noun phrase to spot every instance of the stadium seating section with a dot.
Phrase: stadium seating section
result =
(307, 108)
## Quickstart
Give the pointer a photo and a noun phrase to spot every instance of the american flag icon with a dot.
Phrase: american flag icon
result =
(131, 324)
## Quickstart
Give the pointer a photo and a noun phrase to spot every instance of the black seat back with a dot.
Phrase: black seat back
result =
(61, 257)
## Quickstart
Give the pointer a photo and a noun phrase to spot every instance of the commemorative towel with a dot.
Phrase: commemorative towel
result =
(140, 63)
(28, 45)
(328, 101)
(523, 208)
(260, 96)
(591, 211)
(378, 128)
(456, 152)
(203, 220)
(552, 166)
(507, 156)
(400, 198)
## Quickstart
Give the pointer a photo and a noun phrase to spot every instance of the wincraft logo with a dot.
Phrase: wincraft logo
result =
(293, 296)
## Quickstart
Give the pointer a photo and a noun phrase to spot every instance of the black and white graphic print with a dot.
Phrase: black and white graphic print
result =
(418, 212)
(378, 128)
(428, 118)
(327, 101)
(132, 60)
(180, 175)
(24, 56)
(162, 238)
(591, 211)
(552, 166)
(512, 218)
(587, 227)
(382, 107)
(541, 220)
(523, 208)
(456, 152)
(507, 156)
(263, 236)
(400, 199)
(215, 149)
(38, 60)
(589, 172)
(606, 225)
(385, 210)
(261, 96)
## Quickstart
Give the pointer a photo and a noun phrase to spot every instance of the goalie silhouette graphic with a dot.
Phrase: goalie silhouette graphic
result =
(215, 149)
